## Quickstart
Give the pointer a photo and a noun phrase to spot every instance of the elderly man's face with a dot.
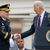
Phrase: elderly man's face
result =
(37, 9)
(20, 43)
(4, 14)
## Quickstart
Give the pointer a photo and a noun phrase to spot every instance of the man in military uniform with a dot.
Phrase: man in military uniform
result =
(4, 27)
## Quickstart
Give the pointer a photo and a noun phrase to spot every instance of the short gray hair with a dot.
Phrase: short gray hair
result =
(40, 3)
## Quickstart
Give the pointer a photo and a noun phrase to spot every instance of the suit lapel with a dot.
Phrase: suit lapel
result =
(35, 21)
(26, 49)
(44, 22)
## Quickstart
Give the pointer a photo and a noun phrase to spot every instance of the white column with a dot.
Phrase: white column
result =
(28, 40)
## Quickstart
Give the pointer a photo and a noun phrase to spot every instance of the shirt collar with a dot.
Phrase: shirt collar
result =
(23, 49)
(42, 14)
(3, 18)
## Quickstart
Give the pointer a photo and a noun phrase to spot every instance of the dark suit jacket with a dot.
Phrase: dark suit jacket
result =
(26, 49)
(4, 43)
(34, 27)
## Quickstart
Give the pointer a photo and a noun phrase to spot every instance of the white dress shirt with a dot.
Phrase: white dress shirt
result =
(41, 19)
(23, 49)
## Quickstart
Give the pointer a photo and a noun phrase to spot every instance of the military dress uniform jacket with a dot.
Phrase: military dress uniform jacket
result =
(4, 34)
(35, 29)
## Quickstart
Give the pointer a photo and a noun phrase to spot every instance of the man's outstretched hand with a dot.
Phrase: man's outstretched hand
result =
(17, 36)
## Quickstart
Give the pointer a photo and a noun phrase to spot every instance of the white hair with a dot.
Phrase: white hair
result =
(40, 3)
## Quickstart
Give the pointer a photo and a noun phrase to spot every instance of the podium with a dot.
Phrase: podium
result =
(42, 36)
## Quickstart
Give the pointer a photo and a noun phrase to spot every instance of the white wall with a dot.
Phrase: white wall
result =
(28, 40)
(23, 6)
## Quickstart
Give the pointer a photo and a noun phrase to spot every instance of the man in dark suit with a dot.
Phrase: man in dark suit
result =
(4, 27)
(40, 20)
(20, 44)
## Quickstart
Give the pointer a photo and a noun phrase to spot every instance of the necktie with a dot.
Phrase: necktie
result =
(39, 21)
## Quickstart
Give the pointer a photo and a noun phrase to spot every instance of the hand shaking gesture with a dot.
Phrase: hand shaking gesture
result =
(17, 36)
